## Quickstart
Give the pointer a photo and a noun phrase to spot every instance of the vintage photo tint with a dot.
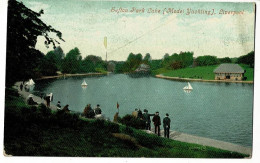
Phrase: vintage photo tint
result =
(129, 79)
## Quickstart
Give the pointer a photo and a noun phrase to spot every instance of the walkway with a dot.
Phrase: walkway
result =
(207, 142)
(37, 99)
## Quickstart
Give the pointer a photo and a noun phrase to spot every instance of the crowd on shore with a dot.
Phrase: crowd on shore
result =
(88, 112)
(156, 121)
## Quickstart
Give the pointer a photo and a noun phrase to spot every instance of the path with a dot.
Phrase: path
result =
(37, 99)
(207, 142)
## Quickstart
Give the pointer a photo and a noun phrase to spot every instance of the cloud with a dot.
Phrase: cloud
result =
(37, 6)
(222, 36)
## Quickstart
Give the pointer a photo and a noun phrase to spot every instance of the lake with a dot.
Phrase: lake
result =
(221, 111)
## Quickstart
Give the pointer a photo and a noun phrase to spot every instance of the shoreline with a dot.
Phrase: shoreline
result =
(174, 135)
(204, 141)
(201, 80)
(70, 75)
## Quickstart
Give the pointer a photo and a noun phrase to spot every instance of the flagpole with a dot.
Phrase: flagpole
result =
(106, 55)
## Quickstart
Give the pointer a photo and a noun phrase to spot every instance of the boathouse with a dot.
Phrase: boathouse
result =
(228, 71)
(143, 68)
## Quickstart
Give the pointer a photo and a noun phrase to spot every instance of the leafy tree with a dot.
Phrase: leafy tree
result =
(247, 59)
(59, 56)
(176, 61)
(93, 64)
(225, 60)
(71, 63)
(23, 28)
(147, 58)
(207, 60)
(132, 62)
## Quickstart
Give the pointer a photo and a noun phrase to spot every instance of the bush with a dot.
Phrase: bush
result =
(132, 121)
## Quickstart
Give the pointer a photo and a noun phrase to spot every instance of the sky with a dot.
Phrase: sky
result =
(84, 24)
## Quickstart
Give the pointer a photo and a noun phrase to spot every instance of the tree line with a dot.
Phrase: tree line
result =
(178, 61)
(71, 63)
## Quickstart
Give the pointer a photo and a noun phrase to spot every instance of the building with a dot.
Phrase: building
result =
(228, 71)
(143, 68)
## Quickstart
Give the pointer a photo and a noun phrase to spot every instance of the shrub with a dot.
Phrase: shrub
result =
(132, 121)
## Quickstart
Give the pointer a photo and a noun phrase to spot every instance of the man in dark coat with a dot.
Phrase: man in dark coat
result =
(97, 110)
(147, 119)
(166, 125)
(157, 123)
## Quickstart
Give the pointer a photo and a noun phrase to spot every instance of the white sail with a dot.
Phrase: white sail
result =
(188, 87)
(84, 83)
(30, 82)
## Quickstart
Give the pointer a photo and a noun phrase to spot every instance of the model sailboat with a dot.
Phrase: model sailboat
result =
(30, 82)
(84, 84)
(188, 87)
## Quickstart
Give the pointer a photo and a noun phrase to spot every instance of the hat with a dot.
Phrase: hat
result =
(167, 114)
(98, 105)
(30, 95)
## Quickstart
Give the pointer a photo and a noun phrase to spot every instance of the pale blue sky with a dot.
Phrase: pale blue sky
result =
(84, 25)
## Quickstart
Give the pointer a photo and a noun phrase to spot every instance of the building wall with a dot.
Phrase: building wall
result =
(233, 76)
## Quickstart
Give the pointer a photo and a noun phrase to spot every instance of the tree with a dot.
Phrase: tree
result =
(23, 28)
(207, 60)
(176, 61)
(71, 63)
(147, 58)
(225, 60)
(247, 59)
(59, 56)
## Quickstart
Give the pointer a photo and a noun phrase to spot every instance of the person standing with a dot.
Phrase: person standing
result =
(58, 105)
(21, 86)
(166, 125)
(147, 119)
(135, 113)
(157, 123)
(97, 110)
(48, 101)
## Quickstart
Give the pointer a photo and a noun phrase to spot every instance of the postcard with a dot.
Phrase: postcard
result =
(153, 79)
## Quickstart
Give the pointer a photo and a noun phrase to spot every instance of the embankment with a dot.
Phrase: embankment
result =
(201, 80)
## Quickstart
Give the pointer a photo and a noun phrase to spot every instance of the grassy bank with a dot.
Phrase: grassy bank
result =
(38, 131)
(203, 72)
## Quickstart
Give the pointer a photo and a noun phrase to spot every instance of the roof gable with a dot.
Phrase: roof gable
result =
(229, 68)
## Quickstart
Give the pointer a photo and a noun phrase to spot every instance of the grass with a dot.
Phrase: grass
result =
(202, 72)
(37, 131)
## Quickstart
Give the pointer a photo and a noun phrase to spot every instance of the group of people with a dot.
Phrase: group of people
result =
(91, 113)
(156, 121)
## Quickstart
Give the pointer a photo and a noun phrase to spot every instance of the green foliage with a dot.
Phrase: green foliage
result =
(93, 63)
(132, 121)
(71, 63)
(23, 27)
(225, 60)
(155, 64)
(249, 74)
(247, 59)
(132, 62)
(207, 60)
(147, 58)
(48, 64)
(203, 72)
(177, 61)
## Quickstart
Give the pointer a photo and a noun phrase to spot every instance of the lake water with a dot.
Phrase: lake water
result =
(221, 111)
